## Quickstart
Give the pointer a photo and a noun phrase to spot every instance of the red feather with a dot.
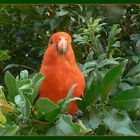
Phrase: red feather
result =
(61, 71)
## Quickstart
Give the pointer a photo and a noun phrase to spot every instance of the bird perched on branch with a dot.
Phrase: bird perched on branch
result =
(61, 71)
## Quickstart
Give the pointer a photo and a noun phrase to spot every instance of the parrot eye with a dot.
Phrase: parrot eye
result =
(50, 42)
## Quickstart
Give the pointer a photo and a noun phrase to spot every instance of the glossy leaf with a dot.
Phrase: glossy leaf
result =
(2, 117)
(65, 126)
(112, 79)
(24, 84)
(132, 72)
(118, 122)
(2, 96)
(45, 105)
(9, 130)
(36, 81)
(24, 74)
(11, 85)
(128, 100)
(137, 124)
(24, 106)
(92, 119)
(66, 101)
(91, 95)
(62, 12)
(4, 55)
(5, 107)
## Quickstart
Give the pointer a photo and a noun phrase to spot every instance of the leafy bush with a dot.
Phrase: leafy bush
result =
(106, 44)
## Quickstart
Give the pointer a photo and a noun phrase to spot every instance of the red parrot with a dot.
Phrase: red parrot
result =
(61, 71)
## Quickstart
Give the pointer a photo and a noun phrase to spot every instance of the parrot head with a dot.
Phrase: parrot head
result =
(61, 41)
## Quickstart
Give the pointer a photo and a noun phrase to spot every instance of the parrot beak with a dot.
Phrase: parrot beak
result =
(62, 46)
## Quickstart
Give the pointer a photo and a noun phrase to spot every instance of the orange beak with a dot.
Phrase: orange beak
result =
(62, 46)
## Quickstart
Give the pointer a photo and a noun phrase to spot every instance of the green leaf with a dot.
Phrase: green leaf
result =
(69, 95)
(124, 86)
(137, 125)
(95, 22)
(65, 126)
(11, 66)
(40, 9)
(1, 125)
(62, 12)
(54, 22)
(90, 56)
(135, 37)
(5, 107)
(101, 130)
(2, 96)
(24, 106)
(5, 16)
(9, 130)
(118, 122)
(134, 80)
(10, 82)
(24, 84)
(132, 72)
(36, 81)
(45, 105)
(112, 43)
(89, 65)
(128, 99)
(53, 115)
(66, 101)
(24, 74)
(92, 93)
(112, 35)
(112, 79)
(92, 119)
(138, 44)
(2, 117)
(4, 55)
(105, 62)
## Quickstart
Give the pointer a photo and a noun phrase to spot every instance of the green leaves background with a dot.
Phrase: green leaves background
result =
(106, 45)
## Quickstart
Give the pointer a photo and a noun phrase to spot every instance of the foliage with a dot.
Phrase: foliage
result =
(106, 42)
